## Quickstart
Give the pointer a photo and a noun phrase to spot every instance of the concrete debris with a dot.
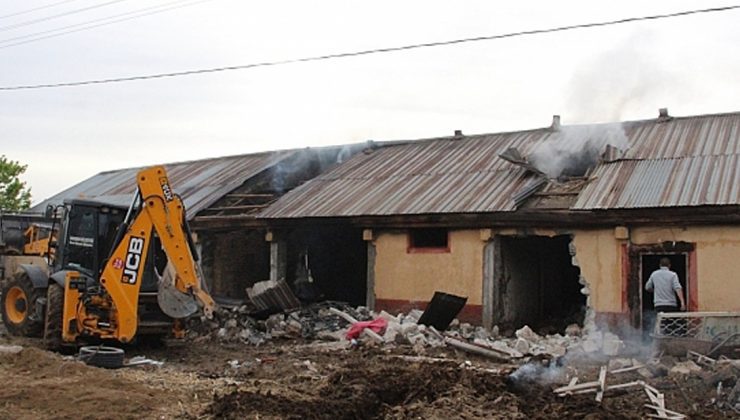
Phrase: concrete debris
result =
(272, 295)
(685, 368)
(605, 343)
(573, 330)
(526, 333)
(10, 349)
(141, 361)
(329, 321)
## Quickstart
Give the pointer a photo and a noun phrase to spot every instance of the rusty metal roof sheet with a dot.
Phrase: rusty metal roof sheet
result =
(198, 182)
(688, 161)
(443, 175)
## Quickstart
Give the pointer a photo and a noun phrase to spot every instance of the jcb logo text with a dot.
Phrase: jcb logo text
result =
(133, 260)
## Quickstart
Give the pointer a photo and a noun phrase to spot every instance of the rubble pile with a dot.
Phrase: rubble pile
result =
(328, 321)
(236, 324)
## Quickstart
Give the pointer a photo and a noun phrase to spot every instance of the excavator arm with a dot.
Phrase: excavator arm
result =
(110, 311)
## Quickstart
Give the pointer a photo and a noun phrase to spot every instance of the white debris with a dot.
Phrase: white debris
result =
(10, 349)
(573, 330)
(521, 345)
(526, 333)
(685, 368)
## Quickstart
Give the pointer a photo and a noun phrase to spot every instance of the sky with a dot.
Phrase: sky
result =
(625, 72)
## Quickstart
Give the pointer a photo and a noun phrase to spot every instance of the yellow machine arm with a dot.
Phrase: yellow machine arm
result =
(112, 312)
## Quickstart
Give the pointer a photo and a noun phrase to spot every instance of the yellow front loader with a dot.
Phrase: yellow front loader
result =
(121, 272)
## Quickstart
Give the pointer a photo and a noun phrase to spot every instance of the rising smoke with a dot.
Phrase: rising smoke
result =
(572, 150)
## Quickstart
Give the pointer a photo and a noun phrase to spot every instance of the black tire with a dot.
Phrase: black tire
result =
(18, 305)
(102, 356)
(53, 317)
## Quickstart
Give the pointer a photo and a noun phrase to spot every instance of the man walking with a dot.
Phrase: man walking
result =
(665, 287)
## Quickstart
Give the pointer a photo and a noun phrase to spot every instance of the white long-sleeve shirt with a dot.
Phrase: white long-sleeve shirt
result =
(664, 284)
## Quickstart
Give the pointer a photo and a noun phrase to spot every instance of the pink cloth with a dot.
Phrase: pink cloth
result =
(377, 325)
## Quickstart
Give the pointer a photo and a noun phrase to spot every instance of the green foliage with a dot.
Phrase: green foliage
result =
(14, 195)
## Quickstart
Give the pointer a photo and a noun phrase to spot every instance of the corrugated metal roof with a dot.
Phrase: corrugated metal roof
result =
(686, 161)
(689, 161)
(444, 175)
(199, 182)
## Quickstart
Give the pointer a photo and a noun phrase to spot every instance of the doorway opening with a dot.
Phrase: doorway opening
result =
(334, 258)
(535, 283)
(643, 260)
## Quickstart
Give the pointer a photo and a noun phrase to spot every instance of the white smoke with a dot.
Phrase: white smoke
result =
(574, 149)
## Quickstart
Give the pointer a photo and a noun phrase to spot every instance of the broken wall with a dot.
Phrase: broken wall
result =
(605, 265)
(234, 260)
(405, 280)
(717, 261)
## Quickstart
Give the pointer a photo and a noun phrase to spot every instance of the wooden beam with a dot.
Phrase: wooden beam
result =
(240, 207)
(239, 195)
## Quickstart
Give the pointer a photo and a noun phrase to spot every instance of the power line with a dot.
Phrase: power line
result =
(23, 12)
(58, 15)
(372, 51)
(109, 20)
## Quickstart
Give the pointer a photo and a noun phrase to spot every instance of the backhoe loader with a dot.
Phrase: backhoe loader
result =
(118, 272)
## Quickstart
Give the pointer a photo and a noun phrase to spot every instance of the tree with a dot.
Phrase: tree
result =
(14, 195)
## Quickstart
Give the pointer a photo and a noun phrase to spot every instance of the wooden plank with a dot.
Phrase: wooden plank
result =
(472, 348)
(602, 384)
(578, 387)
(572, 383)
(627, 369)
(595, 388)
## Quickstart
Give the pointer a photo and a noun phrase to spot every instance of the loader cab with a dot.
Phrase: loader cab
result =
(89, 229)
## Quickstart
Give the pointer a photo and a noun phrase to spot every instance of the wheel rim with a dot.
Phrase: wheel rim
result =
(16, 305)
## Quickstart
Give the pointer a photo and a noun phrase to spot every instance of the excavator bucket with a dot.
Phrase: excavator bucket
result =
(173, 302)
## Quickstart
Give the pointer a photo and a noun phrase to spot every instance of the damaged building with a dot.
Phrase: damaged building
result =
(541, 227)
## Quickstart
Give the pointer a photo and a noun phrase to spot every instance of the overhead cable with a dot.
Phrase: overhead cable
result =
(58, 15)
(23, 12)
(371, 51)
(82, 26)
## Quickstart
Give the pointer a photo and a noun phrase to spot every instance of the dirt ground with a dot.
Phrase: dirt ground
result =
(303, 380)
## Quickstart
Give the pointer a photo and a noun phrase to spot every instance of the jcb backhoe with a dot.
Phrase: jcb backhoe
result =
(118, 272)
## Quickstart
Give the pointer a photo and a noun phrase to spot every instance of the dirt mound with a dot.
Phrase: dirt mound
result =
(45, 385)
(377, 389)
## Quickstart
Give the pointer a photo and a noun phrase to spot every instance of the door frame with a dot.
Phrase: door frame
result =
(635, 282)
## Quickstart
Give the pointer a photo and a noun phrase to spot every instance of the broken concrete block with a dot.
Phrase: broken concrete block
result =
(388, 317)
(413, 316)
(221, 333)
(685, 368)
(495, 331)
(522, 345)
(526, 333)
(573, 330)
(619, 363)
(231, 323)
(407, 329)
(555, 350)
(645, 373)
(417, 339)
(10, 349)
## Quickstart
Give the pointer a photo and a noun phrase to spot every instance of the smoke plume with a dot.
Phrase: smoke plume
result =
(575, 149)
